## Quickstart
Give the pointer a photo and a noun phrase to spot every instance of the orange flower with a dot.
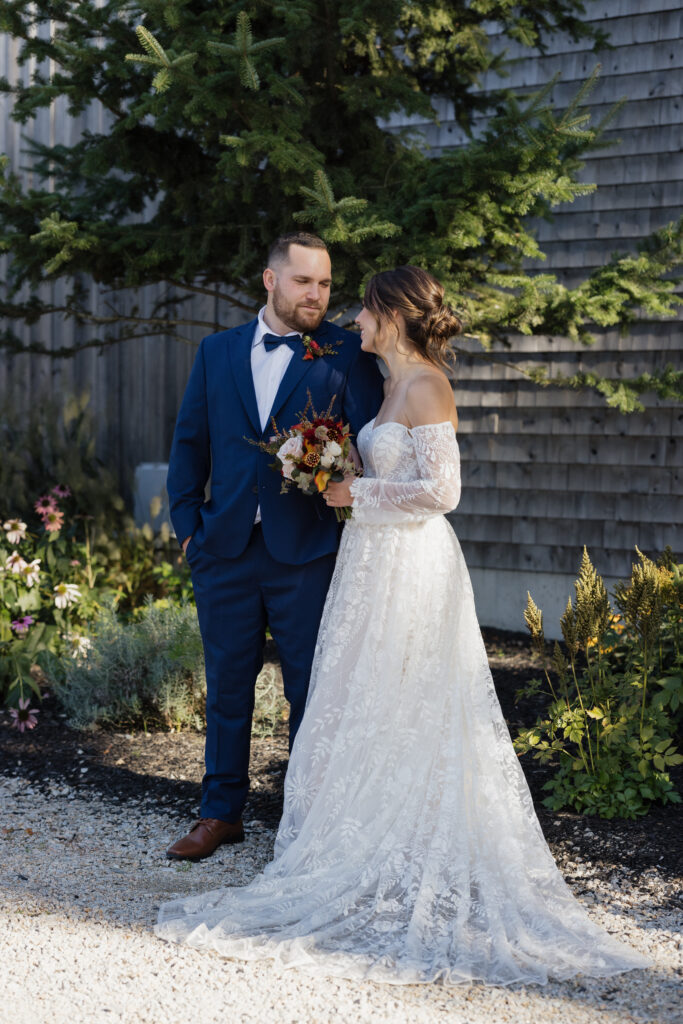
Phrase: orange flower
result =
(321, 479)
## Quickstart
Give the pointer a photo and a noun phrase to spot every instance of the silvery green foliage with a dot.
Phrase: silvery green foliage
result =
(139, 674)
(150, 673)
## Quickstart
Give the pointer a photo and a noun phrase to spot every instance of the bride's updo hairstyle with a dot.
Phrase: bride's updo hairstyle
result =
(418, 297)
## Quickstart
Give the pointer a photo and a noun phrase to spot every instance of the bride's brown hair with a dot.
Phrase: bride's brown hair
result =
(418, 297)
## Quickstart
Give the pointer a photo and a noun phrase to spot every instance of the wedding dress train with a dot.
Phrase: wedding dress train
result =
(409, 849)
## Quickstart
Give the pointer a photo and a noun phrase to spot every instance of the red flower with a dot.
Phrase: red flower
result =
(314, 350)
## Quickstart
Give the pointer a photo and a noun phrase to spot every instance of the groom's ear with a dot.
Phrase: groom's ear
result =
(269, 279)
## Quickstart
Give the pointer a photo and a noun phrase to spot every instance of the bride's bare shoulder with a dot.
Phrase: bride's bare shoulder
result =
(429, 399)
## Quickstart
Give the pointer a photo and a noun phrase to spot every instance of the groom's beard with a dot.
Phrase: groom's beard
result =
(297, 316)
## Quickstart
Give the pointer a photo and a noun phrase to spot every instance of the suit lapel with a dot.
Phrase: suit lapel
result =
(240, 360)
(298, 368)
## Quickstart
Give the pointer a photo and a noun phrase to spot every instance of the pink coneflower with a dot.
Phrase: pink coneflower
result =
(53, 520)
(45, 504)
(60, 491)
(15, 530)
(30, 572)
(24, 717)
(21, 626)
(74, 561)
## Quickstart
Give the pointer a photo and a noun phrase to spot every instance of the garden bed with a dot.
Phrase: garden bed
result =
(162, 770)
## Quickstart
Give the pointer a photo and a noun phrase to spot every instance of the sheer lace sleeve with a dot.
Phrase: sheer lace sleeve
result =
(435, 492)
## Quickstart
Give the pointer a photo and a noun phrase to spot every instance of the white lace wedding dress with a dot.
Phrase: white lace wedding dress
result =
(408, 849)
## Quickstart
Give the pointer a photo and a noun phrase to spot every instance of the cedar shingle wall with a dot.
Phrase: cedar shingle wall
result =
(548, 471)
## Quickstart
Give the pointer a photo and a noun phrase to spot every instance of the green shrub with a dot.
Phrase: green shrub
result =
(44, 603)
(57, 573)
(137, 674)
(149, 673)
(616, 692)
(63, 524)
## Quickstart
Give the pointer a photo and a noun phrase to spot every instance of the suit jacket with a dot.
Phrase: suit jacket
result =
(219, 414)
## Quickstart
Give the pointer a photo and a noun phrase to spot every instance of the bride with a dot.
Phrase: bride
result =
(408, 849)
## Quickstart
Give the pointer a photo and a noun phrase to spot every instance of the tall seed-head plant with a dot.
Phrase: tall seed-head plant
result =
(593, 610)
(569, 631)
(533, 616)
(569, 624)
(593, 617)
(614, 754)
(640, 601)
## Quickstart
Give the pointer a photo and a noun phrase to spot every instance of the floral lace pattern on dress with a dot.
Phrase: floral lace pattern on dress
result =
(409, 849)
(422, 482)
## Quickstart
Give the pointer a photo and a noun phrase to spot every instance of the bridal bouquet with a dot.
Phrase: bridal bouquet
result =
(314, 451)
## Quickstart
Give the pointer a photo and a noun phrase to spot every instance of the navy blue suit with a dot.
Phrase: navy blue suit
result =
(245, 578)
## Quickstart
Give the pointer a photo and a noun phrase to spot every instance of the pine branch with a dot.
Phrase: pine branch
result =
(245, 48)
(157, 57)
(624, 395)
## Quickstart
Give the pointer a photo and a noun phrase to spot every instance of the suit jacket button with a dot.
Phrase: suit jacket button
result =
(255, 490)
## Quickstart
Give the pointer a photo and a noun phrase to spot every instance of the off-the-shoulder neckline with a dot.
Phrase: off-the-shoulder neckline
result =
(420, 426)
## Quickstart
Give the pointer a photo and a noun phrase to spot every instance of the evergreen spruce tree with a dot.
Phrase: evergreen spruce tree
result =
(232, 122)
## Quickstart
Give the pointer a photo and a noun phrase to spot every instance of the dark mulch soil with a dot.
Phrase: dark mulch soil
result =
(165, 770)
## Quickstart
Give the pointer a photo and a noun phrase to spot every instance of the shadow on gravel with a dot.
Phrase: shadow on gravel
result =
(164, 771)
(150, 775)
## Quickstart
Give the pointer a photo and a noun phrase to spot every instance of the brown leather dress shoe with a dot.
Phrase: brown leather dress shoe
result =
(204, 838)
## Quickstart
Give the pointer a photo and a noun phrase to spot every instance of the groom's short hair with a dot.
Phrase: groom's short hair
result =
(279, 250)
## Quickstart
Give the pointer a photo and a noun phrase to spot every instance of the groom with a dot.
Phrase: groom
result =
(259, 557)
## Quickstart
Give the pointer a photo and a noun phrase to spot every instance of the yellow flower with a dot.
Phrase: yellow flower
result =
(321, 479)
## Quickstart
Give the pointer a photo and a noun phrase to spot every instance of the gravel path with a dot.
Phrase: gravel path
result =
(81, 879)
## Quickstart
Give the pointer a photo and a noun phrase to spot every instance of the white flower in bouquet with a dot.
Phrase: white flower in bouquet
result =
(331, 452)
(290, 450)
(15, 530)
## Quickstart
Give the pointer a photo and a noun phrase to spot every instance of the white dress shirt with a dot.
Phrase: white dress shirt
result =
(267, 369)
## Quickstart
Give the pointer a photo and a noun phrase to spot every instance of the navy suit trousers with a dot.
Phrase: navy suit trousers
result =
(236, 599)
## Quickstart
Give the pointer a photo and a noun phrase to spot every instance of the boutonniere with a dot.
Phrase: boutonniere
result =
(315, 351)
